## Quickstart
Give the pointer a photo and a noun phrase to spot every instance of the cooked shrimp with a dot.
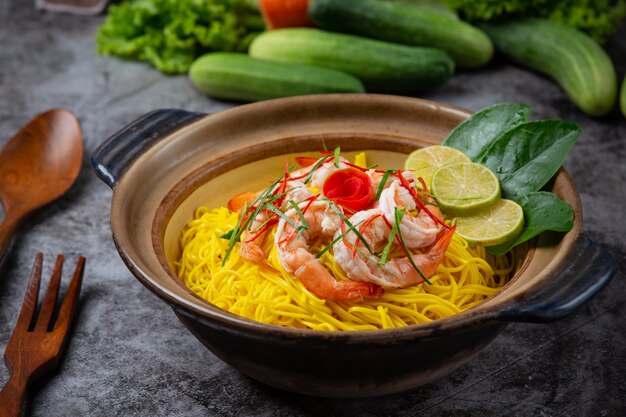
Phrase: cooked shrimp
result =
(322, 171)
(360, 265)
(251, 245)
(376, 176)
(295, 257)
(418, 231)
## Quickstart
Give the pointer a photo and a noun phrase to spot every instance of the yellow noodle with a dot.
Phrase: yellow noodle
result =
(467, 276)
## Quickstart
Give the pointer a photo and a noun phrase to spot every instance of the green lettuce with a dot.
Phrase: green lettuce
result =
(170, 34)
(598, 18)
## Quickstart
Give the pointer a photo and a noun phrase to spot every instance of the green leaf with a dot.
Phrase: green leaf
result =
(542, 211)
(474, 135)
(527, 156)
(170, 34)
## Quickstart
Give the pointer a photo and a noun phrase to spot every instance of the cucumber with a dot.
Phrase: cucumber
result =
(382, 66)
(623, 97)
(575, 61)
(405, 24)
(236, 76)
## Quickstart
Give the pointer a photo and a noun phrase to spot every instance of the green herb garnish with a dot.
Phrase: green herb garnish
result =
(335, 240)
(350, 225)
(316, 166)
(383, 181)
(398, 214)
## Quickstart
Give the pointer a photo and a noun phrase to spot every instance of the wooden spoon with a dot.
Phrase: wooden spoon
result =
(37, 166)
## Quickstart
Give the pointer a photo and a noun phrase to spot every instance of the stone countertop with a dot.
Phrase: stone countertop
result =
(129, 355)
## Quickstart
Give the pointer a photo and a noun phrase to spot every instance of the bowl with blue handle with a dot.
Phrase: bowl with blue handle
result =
(167, 163)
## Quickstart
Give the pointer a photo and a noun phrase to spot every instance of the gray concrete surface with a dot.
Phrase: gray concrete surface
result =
(129, 355)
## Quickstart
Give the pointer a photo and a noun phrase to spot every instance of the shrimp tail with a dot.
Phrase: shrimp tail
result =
(428, 262)
(321, 283)
(438, 249)
(252, 252)
(237, 203)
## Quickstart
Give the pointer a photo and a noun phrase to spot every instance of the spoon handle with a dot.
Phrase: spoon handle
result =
(7, 228)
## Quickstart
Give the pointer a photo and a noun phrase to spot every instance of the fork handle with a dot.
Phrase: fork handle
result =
(12, 395)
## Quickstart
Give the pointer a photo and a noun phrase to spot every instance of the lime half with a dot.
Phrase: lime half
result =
(499, 223)
(465, 188)
(425, 161)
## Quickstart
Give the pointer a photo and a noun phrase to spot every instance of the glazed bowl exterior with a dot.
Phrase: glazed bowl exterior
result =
(167, 163)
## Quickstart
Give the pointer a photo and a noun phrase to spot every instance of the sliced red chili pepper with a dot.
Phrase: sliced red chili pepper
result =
(418, 202)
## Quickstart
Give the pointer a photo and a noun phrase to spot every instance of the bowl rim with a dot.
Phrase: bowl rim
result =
(212, 315)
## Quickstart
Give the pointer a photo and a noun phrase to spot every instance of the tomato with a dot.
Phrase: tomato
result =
(350, 189)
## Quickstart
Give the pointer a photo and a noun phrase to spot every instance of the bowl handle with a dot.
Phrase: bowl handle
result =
(111, 159)
(590, 268)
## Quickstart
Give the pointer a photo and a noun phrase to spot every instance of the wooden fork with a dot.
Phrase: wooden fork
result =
(36, 345)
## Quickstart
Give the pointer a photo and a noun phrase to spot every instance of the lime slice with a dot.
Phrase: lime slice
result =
(465, 188)
(425, 161)
(499, 223)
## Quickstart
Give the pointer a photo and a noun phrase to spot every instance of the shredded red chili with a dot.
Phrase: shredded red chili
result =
(350, 189)
(418, 202)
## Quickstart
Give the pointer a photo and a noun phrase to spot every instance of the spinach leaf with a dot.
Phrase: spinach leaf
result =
(542, 211)
(527, 156)
(474, 135)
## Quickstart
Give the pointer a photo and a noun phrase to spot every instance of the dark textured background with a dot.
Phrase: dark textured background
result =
(128, 354)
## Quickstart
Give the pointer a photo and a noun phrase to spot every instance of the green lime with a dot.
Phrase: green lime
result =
(497, 224)
(465, 188)
(425, 161)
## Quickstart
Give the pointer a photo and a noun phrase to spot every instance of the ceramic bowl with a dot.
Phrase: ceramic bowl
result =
(167, 163)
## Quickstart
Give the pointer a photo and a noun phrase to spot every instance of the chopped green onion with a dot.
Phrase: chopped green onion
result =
(350, 225)
(383, 181)
(335, 240)
(398, 218)
(316, 166)
(282, 215)
(337, 151)
(235, 234)
(304, 225)
(385, 252)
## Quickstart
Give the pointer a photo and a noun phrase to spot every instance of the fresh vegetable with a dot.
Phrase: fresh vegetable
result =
(623, 97)
(580, 66)
(405, 24)
(474, 135)
(285, 13)
(524, 156)
(350, 189)
(439, 6)
(235, 76)
(528, 155)
(598, 18)
(170, 34)
(381, 66)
